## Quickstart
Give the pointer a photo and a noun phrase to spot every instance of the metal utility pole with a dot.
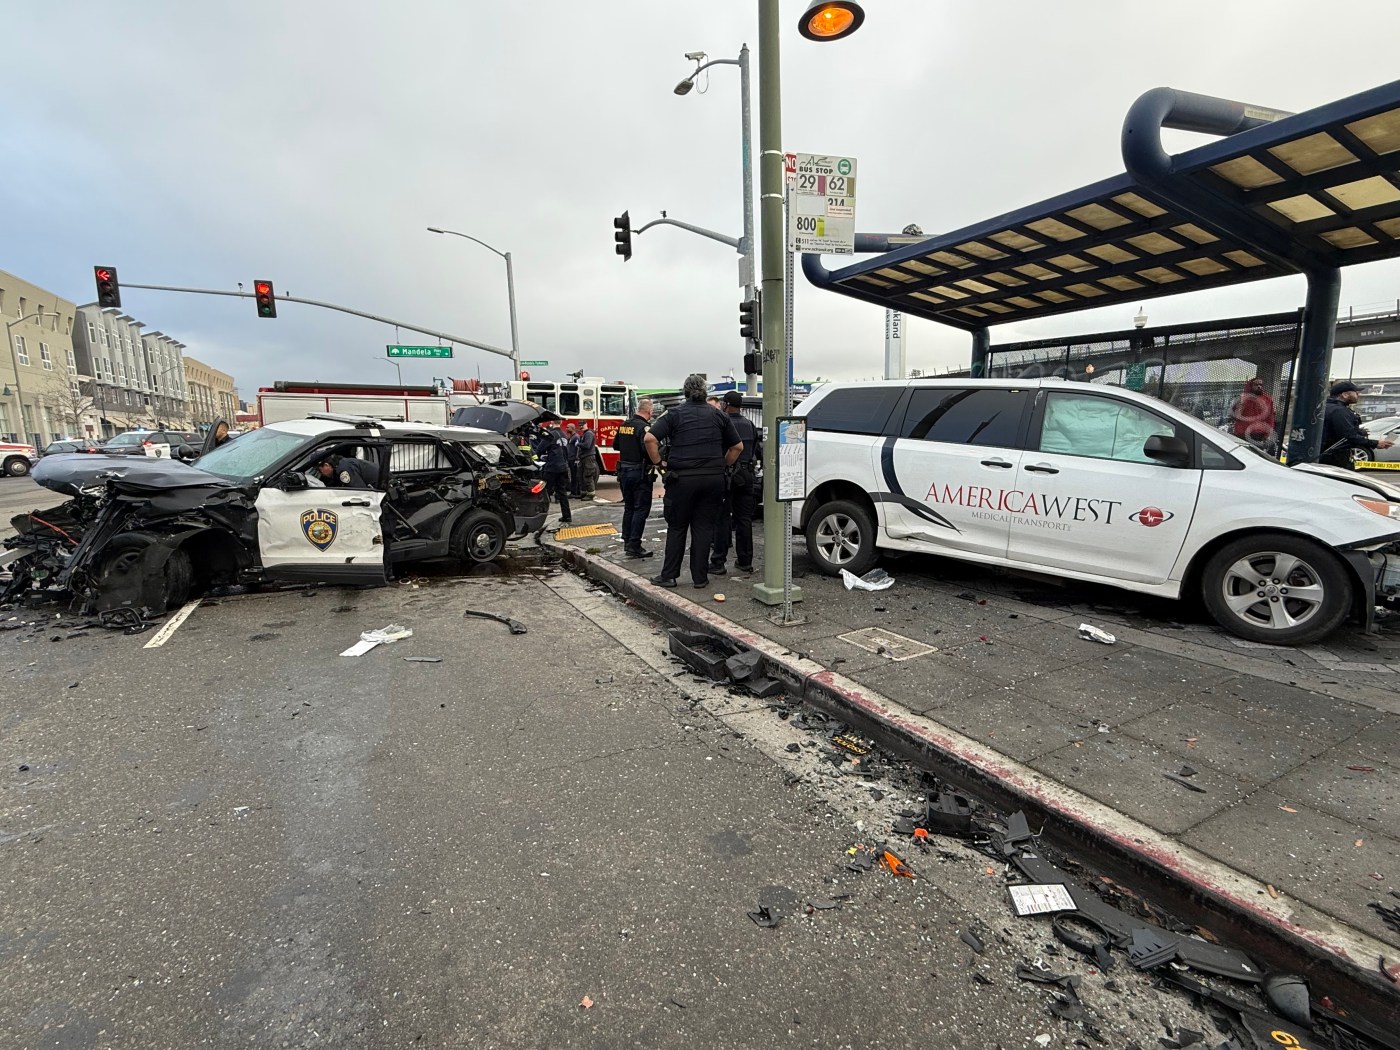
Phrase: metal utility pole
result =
(510, 293)
(776, 401)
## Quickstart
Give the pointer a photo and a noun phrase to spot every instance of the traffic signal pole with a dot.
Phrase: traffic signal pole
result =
(443, 336)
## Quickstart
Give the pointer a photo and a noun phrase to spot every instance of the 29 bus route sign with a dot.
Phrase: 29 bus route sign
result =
(419, 351)
(823, 203)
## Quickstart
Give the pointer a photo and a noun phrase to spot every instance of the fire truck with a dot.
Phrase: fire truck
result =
(291, 399)
(602, 404)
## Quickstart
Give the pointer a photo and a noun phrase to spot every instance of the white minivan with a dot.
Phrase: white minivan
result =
(1097, 483)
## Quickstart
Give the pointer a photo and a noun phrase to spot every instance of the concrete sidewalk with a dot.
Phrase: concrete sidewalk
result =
(1296, 827)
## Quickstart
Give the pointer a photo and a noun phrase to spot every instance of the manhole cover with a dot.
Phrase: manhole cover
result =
(886, 643)
(577, 532)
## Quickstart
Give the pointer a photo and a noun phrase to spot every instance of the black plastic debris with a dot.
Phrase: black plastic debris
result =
(948, 814)
(1288, 994)
(1178, 778)
(1389, 915)
(794, 748)
(764, 917)
(423, 659)
(1081, 932)
(824, 903)
(1149, 949)
(972, 941)
(862, 862)
(516, 627)
(721, 660)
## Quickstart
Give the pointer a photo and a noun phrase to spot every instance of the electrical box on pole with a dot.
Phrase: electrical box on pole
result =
(109, 292)
(623, 236)
(266, 298)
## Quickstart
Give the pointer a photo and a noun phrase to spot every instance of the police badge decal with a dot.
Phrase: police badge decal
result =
(320, 527)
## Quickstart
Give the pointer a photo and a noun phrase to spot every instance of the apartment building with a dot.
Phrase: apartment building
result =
(136, 377)
(211, 394)
(41, 398)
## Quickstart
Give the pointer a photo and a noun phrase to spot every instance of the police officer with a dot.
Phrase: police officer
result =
(703, 443)
(551, 448)
(1341, 428)
(743, 493)
(348, 472)
(636, 477)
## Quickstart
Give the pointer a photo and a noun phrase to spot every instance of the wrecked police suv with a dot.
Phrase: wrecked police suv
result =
(336, 499)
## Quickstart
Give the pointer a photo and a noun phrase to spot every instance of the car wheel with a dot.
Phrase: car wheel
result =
(1275, 588)
(841, 535)
(479, 537)
(16, 466)
(124, 552)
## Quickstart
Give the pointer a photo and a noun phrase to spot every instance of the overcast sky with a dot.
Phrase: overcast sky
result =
(311, 142)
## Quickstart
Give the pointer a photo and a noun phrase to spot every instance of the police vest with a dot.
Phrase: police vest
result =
(628, 441)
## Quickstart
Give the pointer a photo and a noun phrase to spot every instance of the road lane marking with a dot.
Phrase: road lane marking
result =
(172, 625)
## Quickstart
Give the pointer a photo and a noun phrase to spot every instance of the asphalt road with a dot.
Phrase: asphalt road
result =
(242, 838)
(18, 495)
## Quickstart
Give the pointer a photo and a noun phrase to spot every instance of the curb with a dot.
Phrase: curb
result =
(1293, 936)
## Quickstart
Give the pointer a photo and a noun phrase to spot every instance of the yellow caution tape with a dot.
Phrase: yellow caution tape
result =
(1367, 464)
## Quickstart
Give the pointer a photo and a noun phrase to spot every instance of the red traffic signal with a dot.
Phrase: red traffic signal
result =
(109, 292)
(266, 298)
(524, 377)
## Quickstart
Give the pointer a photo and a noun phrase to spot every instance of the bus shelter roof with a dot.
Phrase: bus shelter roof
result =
(1307, 191)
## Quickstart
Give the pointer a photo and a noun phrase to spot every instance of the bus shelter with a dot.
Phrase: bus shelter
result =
(1277, 194)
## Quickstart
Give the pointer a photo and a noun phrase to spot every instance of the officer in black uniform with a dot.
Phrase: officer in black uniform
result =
(347, 472)
(1341, 428)
(636, 477)
(703, 443)
(743, 493)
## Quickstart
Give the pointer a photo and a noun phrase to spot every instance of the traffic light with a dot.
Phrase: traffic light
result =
(750, 320)
(752, 365)
(524, 377)
(266, 297)
(623, 225)
(109, 292)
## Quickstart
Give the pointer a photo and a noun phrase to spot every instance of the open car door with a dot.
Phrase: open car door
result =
(331, 535)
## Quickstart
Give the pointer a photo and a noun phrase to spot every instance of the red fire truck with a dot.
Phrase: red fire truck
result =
(602, 404)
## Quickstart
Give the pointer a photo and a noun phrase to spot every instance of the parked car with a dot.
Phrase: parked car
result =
(158, 444)
(1097, 483)
(54, 448)
(17, 460)
(146, 533)
(1384, 427)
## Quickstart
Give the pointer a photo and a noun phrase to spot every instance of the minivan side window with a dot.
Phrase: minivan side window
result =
(981, 416)
(1100, 427)
(855, 410)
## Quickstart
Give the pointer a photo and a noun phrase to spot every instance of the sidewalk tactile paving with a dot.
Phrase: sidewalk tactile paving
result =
(894, 646)
(579, 531)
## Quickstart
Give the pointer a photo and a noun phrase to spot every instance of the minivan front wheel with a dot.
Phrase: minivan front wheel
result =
(1276, 588)
(841, 535)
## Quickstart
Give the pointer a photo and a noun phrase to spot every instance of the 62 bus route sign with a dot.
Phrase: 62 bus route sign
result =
(823, 200)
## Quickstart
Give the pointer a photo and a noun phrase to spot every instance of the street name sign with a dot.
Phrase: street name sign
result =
(823, 196)
(535, 364)
(419, 351)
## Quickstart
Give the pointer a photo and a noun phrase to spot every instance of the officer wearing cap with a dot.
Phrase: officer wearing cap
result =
(347, 472)
(703, 443)
(737, 515)
(635, 477)
(1341, 428)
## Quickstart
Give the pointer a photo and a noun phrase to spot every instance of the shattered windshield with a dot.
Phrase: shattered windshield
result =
(252, 454)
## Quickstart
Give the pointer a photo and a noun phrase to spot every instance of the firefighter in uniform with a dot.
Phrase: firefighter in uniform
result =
(635, 477)
(703, 443)
(743, 494)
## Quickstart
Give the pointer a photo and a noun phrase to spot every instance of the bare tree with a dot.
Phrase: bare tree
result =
(67, 404)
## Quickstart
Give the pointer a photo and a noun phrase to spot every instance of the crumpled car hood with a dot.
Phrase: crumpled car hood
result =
(71, 472)
(503, 415)
(1380, 486)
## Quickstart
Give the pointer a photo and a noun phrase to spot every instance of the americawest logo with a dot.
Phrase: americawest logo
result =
(1027, 504)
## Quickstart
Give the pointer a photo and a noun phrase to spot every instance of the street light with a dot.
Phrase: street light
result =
(510, 291)
(833, 21)
(746, 157)
(396, 365)
(14, 361)
(827, 20)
